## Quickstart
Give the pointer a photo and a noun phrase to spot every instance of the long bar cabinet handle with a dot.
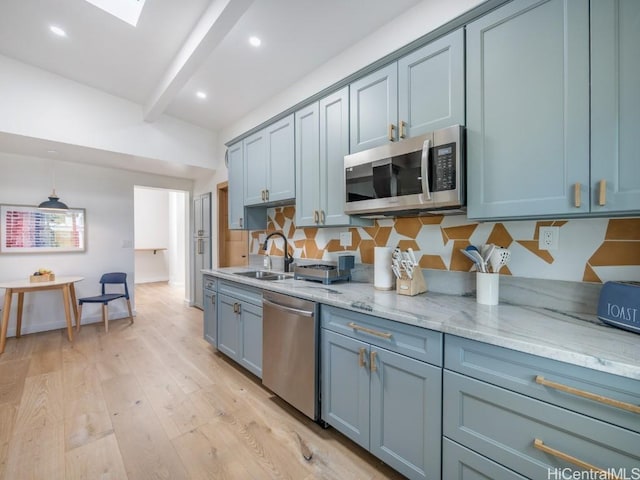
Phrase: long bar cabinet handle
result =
(316, 217)
(584, 394)
(322, 216)
(577, 201)
(370, 331)
(361, 357)
(372, 361)
(391, 129)
(539, 444)
(602, 197)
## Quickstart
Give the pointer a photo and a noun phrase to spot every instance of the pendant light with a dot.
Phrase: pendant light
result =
(54, 202)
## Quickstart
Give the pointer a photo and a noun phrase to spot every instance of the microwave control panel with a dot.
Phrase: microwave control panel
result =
(443, 169)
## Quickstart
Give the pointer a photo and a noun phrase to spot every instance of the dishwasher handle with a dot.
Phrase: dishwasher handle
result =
(284, 308)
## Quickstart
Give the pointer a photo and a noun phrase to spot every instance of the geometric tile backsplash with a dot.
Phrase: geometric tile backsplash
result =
(589, 250)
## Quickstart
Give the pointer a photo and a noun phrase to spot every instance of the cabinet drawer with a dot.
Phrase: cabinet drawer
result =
(460, 463)
(504, 426)
(409, 340)
(241, 292)
(210, 283)
(517, 371)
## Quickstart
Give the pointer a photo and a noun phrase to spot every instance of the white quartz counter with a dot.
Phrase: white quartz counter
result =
(576, 338)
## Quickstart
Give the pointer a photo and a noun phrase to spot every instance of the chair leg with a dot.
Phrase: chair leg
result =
(105, 317)
(79, 317)
(130, 313)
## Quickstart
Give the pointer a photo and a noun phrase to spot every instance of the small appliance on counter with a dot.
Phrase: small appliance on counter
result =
(326, 273)
(619, 305)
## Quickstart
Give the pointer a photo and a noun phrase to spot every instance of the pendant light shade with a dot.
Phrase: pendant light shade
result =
(53, 203)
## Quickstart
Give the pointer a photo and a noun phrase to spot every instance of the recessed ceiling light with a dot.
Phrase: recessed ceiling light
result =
(52, 152)
(201, 94)
(57, 31)
(255, 41)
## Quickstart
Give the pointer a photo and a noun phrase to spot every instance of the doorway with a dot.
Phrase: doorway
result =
(160, 232)
(233, 245)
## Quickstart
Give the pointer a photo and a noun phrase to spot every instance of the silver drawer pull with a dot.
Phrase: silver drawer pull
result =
(370, 331)
(591, 396)
(539, 444)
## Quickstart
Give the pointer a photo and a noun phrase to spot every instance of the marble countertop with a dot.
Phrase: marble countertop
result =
(576, 338)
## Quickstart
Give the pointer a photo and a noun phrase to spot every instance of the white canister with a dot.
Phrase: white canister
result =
(382, 274)
(487, 288)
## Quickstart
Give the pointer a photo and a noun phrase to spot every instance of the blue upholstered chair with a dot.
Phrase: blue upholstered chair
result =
(114, 278)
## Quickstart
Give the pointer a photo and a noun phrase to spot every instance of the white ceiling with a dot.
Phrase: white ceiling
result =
(135, 63)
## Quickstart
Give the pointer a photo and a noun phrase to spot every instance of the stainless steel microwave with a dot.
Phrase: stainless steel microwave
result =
(416, 175)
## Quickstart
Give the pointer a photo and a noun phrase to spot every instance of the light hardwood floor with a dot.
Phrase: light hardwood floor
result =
(153, 400)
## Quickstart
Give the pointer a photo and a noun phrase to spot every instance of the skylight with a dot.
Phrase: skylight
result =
(126, 10)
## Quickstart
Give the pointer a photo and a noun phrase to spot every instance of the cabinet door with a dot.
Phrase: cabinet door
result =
(374, 108)
(460, 463)
(236, 186)
(202, 215)
(228, 327)
(615, 105)
(308, 178)
(406, 413)
(334, 145)
(345, 385)
(251, 338)
(210, 317)
(431, 86)
(255, 168)
(528, 109)
(281, 183)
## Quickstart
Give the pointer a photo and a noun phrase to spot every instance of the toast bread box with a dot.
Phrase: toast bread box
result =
(619, 305)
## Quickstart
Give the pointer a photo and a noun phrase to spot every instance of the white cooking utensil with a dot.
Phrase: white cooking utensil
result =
(499, 258)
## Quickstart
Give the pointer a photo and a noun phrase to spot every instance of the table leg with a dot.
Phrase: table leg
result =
(74, 302)
(5, 318)
(19, 315)
(67, 310)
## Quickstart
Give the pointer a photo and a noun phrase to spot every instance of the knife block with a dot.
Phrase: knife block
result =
(411, 286)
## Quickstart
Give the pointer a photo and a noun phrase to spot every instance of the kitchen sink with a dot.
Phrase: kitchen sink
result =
(265, 275)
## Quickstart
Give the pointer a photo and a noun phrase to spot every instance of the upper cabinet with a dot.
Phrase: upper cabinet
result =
(615, 106)
(530, 152)
(421, 92)
(241, 217)
(322, 141)
(269, 164)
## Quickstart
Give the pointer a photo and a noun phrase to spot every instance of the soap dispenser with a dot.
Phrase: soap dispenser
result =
(267, 261)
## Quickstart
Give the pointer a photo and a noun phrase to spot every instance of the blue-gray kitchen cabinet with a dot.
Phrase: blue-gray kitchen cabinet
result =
(210, 326)
(269, 164)
(387, 402)
(240, 324)
(239, 216)
(322, 141)
(615, 106)
(565, 119)
(422, 91)
(528, 109)
(533, 415)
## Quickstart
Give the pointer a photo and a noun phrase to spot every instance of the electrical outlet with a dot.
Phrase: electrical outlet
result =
(345, 239)
(548, 239)
(261, 238)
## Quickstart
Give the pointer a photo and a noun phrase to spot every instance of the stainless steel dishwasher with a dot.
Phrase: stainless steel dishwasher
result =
(290, 350)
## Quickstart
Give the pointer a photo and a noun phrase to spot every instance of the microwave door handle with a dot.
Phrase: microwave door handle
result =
(426, 146)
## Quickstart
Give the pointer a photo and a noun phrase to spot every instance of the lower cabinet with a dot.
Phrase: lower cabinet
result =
(210, 310)
(537, 417)
(240, 325)
(386, 402)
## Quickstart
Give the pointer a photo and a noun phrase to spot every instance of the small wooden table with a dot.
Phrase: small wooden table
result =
(66, 284)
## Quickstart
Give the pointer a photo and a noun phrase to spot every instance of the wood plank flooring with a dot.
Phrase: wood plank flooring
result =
(153, 400)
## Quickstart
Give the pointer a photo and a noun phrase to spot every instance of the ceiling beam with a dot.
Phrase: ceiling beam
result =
(213, 26)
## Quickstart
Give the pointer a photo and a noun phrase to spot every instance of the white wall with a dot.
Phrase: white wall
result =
(178, 236)
(39, 104)
(151, 220)
(107, 196)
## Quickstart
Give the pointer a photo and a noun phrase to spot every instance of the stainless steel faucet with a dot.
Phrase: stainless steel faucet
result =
(288, 259)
